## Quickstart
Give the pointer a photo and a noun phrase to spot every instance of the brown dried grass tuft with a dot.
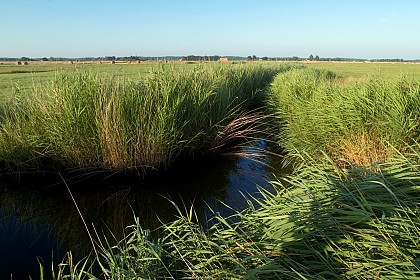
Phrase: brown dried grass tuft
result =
(113, 146)
(114, 151)
(363, 149)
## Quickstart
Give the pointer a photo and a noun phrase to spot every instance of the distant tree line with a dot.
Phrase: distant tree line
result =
(391, 60)
(254, 58)
(203, 58)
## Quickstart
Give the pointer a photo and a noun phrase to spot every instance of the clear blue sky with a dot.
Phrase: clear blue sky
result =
(328, 28)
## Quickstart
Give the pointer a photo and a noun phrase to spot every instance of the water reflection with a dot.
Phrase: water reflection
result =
(39, 219)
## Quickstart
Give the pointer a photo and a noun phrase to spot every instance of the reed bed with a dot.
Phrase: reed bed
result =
(350, 211)
(324, 222)
(358, 122)
(83, 120)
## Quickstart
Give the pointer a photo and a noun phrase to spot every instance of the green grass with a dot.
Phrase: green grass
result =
(359, 70)
(325, 222)
(84, 120)
(358, 122)
(24, 77)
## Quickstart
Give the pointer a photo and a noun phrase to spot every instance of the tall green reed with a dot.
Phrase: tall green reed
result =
(82, 120)
(358, 122)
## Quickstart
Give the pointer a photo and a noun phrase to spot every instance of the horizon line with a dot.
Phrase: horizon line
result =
(195, 55)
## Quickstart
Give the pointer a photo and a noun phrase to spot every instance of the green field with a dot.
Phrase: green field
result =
(24, 77)
(363, 69)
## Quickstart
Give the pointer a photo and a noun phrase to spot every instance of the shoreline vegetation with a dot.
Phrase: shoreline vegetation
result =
(323, 222)
(81, 120)
(358, 123)
(349, 210)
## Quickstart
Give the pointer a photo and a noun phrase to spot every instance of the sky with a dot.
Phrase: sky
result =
(275, 28)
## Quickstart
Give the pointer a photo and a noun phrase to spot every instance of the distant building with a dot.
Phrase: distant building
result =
(223, 59)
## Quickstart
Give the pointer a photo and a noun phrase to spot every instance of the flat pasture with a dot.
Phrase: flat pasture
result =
(362, 69)
(23, 77)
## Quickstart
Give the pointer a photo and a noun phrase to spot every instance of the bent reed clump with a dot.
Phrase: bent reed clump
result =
(81, 120)
(358, 123)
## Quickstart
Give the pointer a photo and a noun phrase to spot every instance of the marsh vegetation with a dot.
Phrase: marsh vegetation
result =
(355, 123)
(84, 121)
(349, 209)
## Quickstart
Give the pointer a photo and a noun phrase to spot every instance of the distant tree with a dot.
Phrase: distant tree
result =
(254, 57)
(317, 58)
(264, 58)
(192, 58)
(249, 57)
(295, 58)
(311, 57)
(44, 59)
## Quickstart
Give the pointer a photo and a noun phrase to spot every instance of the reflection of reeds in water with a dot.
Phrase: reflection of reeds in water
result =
(111, 209)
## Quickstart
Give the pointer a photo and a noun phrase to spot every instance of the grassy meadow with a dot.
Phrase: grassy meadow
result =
(349, 210)
(358, 70)
(24, 77)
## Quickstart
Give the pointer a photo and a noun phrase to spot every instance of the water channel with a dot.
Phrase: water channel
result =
(39, 221)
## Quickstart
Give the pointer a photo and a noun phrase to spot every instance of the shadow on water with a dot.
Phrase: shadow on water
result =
(38, 219)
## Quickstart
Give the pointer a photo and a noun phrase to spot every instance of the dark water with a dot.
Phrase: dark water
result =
(39, 221)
